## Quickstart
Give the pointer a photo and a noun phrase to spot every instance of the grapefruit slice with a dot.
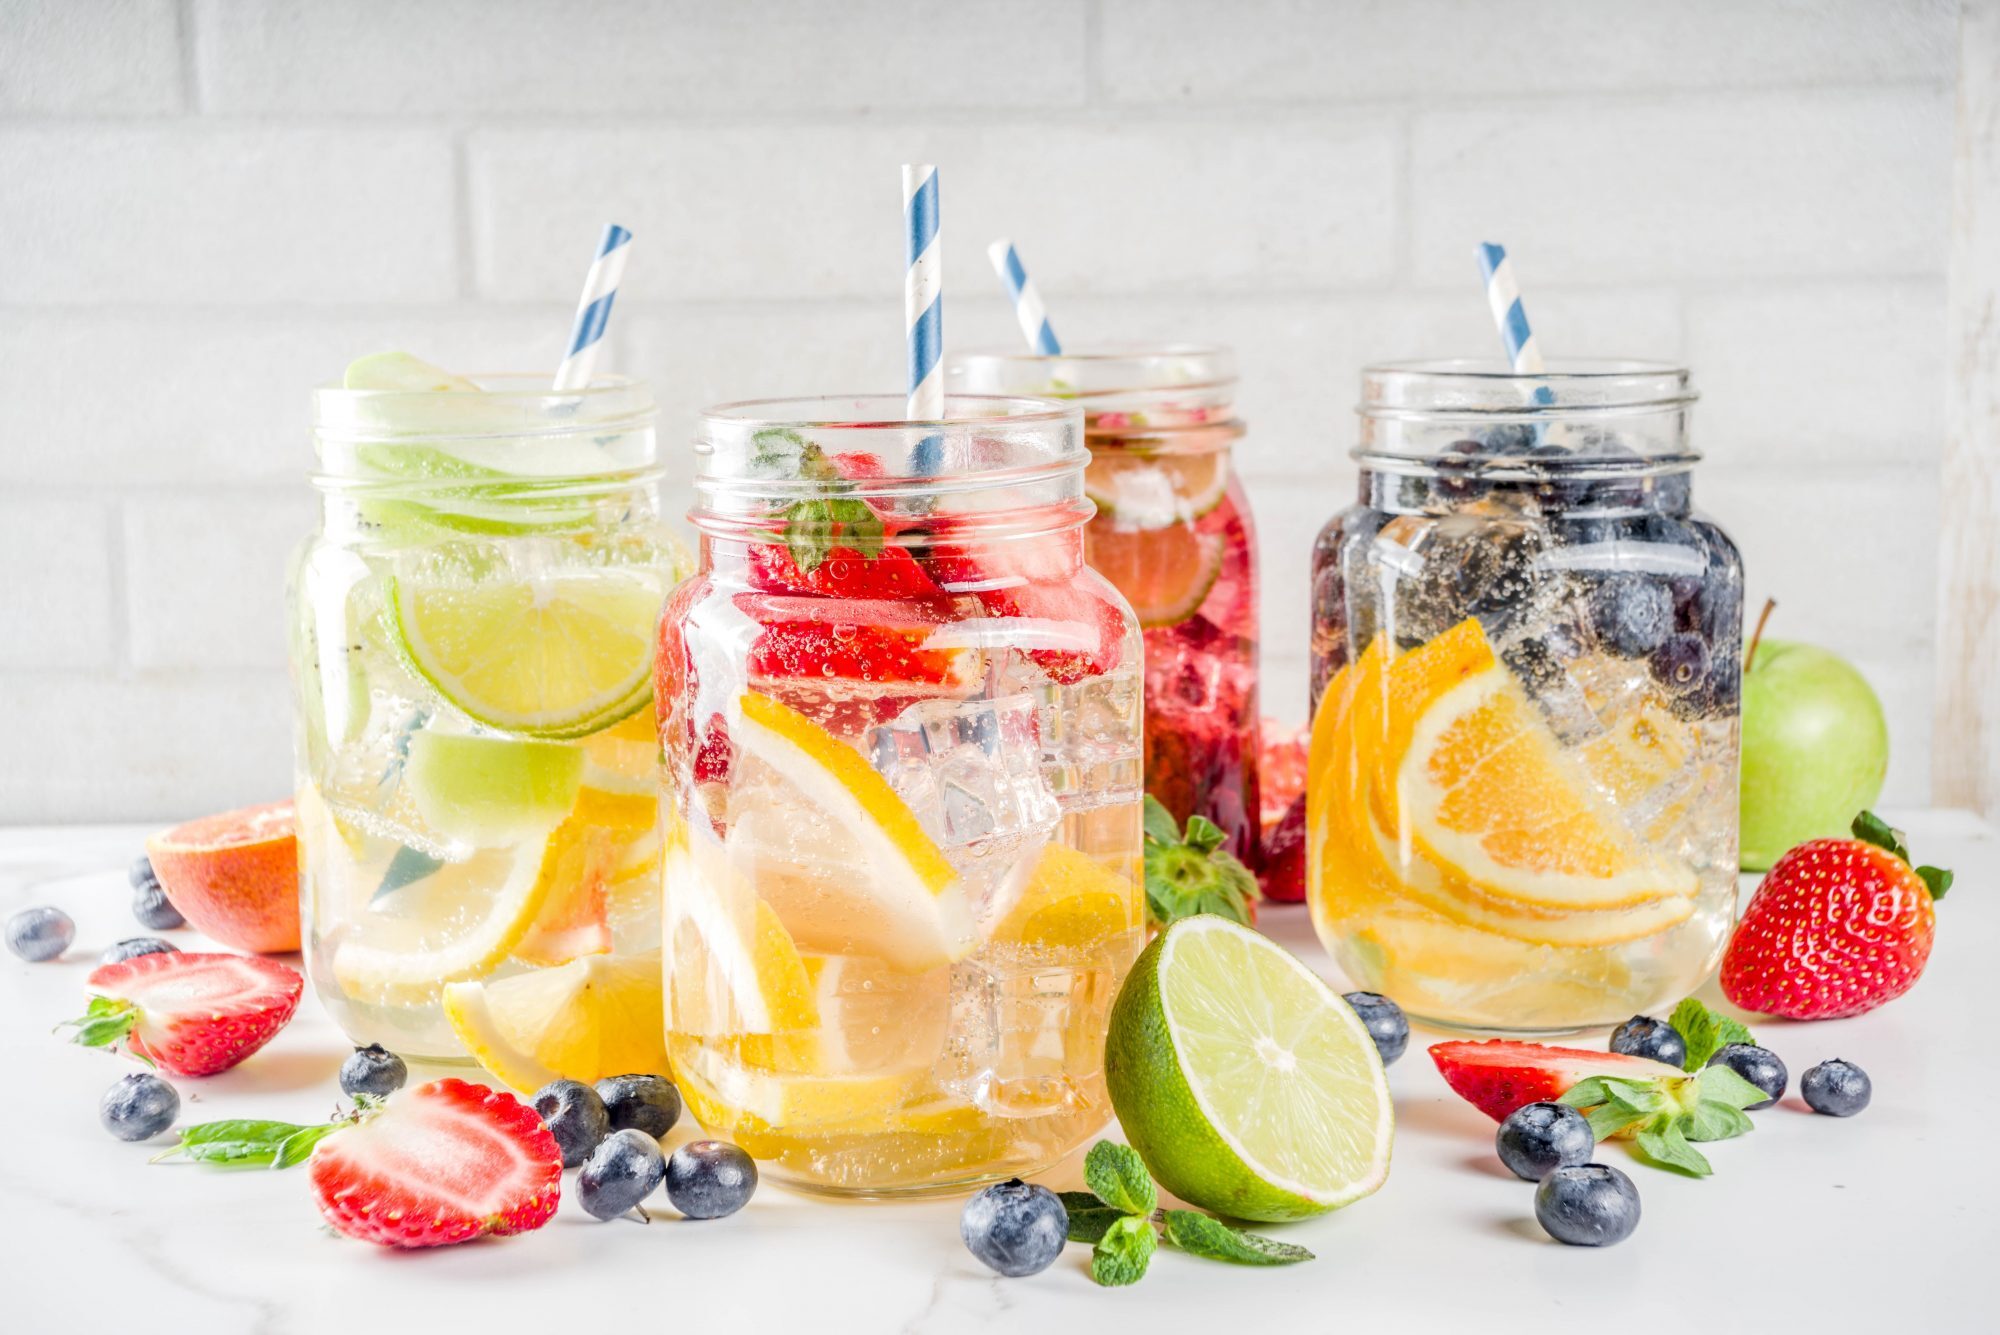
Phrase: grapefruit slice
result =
(1165, 573)
(235, 876)
(1151, 491)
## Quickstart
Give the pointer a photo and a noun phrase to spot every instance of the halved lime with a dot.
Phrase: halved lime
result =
(491, 790)
(557, 655)
(1248, 1087)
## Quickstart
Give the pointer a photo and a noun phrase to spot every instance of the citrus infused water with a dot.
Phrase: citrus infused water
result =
(1173, 533)
(472, 629)
(1522, 786)
(901, 723)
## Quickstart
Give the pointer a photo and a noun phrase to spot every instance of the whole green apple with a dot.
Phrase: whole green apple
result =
(1815, 747)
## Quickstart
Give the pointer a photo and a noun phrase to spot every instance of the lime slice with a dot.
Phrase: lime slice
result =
(491, 790)
(557, 656)
(1154, 490)
(1248, 1087)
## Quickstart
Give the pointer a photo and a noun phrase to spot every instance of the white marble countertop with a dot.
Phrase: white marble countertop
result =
(1882, 1222)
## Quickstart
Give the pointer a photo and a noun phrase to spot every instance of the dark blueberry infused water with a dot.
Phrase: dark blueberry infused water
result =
(1526, 668)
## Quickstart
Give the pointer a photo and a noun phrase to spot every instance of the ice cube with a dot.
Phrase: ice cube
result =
(1024, 1038)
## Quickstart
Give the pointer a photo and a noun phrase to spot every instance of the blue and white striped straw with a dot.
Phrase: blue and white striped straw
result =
(1503, 294)
(593, 311)
(1028, 308)
(923, 291)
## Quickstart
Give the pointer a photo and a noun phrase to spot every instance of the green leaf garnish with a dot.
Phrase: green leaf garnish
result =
(815, 525)
(1668, 1147)
(1936, 879)
(1705, 1032)
(1200, 1235)
(1870, 828)
(1117, 1174)
(1665, 1115)
(104, 1023)
(249, 1143)
(1720, 1084)
(1189, 873)
(1090, 1223)
(1123, 1253)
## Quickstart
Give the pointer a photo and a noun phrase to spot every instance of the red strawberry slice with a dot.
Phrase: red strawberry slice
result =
(846, 572)
(190, 1014)
(443, 1163)
(878, 642)
(1838, 927)
(1033, 577)
(1500, 1075)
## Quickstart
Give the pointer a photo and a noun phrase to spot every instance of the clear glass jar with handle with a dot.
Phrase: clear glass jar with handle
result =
(1526, 671)
(477, 770)
(901, 727)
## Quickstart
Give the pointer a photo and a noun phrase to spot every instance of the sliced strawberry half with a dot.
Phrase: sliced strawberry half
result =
(1500, 1075)
(443, 1163)
(879, 642)
(845, 572)
(1033, 578)
(189, 1013)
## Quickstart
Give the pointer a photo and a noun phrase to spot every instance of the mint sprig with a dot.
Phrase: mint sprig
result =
(1187, 871)
(1665, 1116)
(814, 526)
(252, 1143)
(1121, 1220)
(1705, 1032)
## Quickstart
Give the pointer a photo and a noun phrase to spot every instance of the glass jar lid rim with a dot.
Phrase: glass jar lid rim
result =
(766, 414)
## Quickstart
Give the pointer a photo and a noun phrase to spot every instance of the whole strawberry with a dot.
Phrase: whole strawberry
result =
(1838, 927)
(190, 1013)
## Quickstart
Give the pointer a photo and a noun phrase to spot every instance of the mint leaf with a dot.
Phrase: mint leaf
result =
(1936, 879)
(1715, 1121)
(1160, 827)
(1719, 1084)
(1080, 1200)
(1092, 1222)
(1668, 1148)
(1118, 1175)
(860, 527)
(406, 866)
(1199, 1235)
(237, 1143)
(1122, 1254)
(1705, 1032)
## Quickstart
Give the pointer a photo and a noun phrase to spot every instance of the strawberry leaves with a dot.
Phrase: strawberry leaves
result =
(1666, 1116)
(815, 525)
(1189, 873)
(1120, 1214)
(1870, 828)
(105, 1022)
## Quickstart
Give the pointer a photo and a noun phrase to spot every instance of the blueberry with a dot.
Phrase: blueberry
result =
(648, 1103)
(1633, 614)
(1587, 1205)
(133, 946)
(707, 1179)
(1670, 493)
(1508, 438)
(1681, 665)
(373, 1070)
(1015, 1228)
(39, 934)
(1760, 1066)
(1643, 1036)
(1837, 1088)
(575, 1116)
(1385, 1021)
(1538, 1138)
(139, 1106)
(1724, 690)
(623, 1170)
(150, 904)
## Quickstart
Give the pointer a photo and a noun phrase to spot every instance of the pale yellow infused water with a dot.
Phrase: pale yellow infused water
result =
(902, 873)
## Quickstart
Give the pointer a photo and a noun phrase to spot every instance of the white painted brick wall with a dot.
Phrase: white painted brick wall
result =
(211, 205)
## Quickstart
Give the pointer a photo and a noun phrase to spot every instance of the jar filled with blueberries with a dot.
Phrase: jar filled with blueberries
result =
(1526, 670)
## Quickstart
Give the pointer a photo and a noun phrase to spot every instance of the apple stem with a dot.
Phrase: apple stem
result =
(1757, 638)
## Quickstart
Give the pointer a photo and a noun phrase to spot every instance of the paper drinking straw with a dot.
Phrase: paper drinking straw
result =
(593, 311)
(923, 291)
(1503, 294)
(1028, 308)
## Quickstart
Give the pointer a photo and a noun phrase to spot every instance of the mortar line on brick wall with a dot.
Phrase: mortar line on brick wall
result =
(1403, 200)
(1093, 53)
(190, 58)
(120, 592)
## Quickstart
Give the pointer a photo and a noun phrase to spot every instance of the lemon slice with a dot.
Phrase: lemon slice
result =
(735, 971)
(596, 1016)
(835, 851)
(558, 655)
(875, 1019)
(1070, 903)
(461, 920)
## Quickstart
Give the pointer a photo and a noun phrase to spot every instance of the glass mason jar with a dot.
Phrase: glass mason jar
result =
(901, 728)
(472, 631)
(1526, 671)
(1173, 533)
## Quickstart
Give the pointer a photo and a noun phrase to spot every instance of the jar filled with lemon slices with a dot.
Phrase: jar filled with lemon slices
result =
(471, 631)
(901, 725)
(1526, 654)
